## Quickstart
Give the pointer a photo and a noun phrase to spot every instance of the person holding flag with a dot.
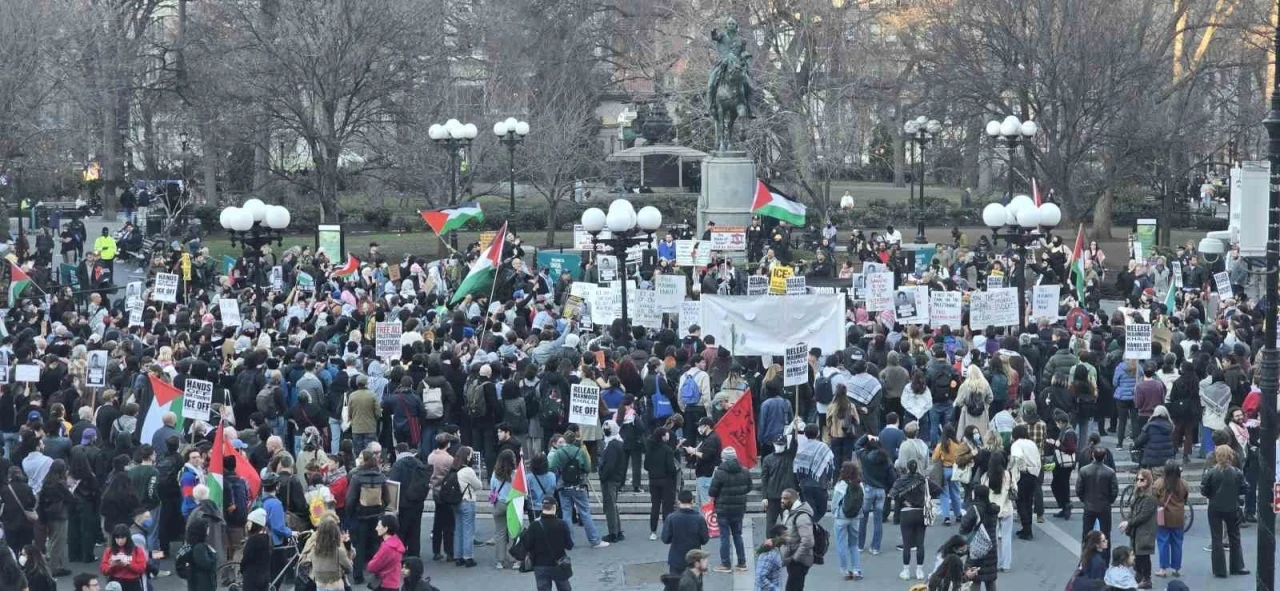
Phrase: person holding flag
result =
(502, 483)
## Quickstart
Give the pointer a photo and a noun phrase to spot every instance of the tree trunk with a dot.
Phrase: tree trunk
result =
(899, 152)
(1106, 203)
(553, 208)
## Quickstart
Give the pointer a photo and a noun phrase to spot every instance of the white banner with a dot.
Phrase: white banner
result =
(197, 399)
(693, 253)
(757, 285)
(879, 291)
(727, 238)
(1044, 302)
(945, 309)
(1137, 340)
(230, 310)
(387, 340)
(671, 291)
(796, 369)
(166, 289)
(584, 404)
(796, 285)
(96, 373)
(994, 307)
(911, 304)
(690, 314)
(763, 327)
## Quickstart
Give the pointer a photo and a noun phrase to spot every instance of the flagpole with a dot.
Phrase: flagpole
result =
(493, 287)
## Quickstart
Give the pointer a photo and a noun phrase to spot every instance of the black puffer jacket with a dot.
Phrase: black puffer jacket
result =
(1156, 443)
(660, 462)
(984, 515)
(730, 486)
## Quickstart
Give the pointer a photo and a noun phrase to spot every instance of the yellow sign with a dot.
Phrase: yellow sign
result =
(486, 238)
(186, 266)
(778, 280)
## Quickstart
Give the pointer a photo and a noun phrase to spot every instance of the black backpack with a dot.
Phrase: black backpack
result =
(822, 391)
(450, 490)
(572, 472)
(973, 404)
(419, 485)
(516, 414)
(182, 562)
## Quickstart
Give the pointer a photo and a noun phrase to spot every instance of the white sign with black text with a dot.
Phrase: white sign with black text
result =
(166, 289)
(1223, 282)
(757, 285)
(197, 399)
(671, 291)
(994, 307)
(796, 285)
(96, 370)
(690, 314)
(880, 294)
(230, 309)
(387, 341)
(796, 369)
(1044, 302)
(946, 309)
(1137, 340)
(584, 404)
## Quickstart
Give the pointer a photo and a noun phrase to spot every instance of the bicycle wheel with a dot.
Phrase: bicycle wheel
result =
(1126, 497)
(229, 576)
(1191, 518)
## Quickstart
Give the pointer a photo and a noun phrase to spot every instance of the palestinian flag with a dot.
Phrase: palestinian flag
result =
(353, 265)
(447, 220)
(18, 281)
(772, 203)
(484, 271)
(516, 495)
(165, 398)
(244, 469)
(214, 481)
(1035, 192)
(1077, 265)
(1170, 300)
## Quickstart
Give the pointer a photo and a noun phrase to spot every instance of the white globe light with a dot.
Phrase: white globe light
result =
(649, 218)
(993, 215)
(242, 221)
(500, 128)
(256, 208)
(522, 128)
(1029, 128)
(452, 123)
(1028, 217)
(1010, 126)
(921, 120)
(593, 220)
(224, 218)
(616, 204)
(278, 217)
(469, 131)
(511, 122)
(911, 127)
(993, 128)
(933, 126)
(437, 132)
(1022, 202)
(1050, 215)
(620, 220)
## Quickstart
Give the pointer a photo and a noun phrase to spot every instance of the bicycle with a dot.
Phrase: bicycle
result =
(228, 574)
(1126, 497)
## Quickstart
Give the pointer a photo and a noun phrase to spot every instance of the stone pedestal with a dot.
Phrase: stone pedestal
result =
(728, 188)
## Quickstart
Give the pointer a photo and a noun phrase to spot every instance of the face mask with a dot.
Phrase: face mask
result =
(22, 560)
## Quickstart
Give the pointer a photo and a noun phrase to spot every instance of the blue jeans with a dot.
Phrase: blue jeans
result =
(544, 576)
(704, 491)
(937, 418)
(847, 540)
(577, 500)
(873, 509)
(464, 531)
(950, 499)
(335, 435)
(428, 442)
(1206, 442)
(1169, 545)
(731, 527)
(153, 529)
(362, 441)
(10, 440)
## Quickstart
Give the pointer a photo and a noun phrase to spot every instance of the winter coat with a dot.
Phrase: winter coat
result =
(730, 485)
(799, 540)
(613, 462)
(1156, 443)
(385, 563)
(1061, 362)
(683, 530)
(982, 421)
(776, 474)
(987, 520)
(660, 463)
(204, 569)
(1142, 524)
(1222, 487)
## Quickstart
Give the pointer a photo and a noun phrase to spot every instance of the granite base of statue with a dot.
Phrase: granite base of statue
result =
(728, 188)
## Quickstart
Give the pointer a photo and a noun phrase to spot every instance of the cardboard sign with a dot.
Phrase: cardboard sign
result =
(230, 309)
(796, 285)
(670, 292)
(306, 283)
(757, 285)
(166, 289)
(135, 311)
(778, 279)
(693, 253)
(1137, 340)
(1223, 282)
(197, 399)
(690, 314)
(646, 311)
(795, 370)
(1044, 302)
(584, 404)
(96, 370)
(998, 307)
(946, 309)
(387, 339)
(879, 291)
(729, 238)
(26, 373)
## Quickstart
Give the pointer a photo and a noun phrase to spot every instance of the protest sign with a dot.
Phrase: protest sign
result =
(582, 238)
(995, 282)
(387, 341)
(998, 307)
(911, 304)
(4, 368)
(690, 314)
(1223, 281)
(945, 309)
(572, 305)
(230, 309)
(277, 276)
(306, 283)
(166, 289)
(729, 238)
(96, 369)
(1137, 340)
(758, 325)
(1177, 274)
(1044, 302)
(778, 279)
(135, 312)
(858, 290)
(197, 399)
(879, 291)
(693, 253)
(757, 285)
(584, 404)
(607, 266)
(647, 313)
(796, 369)
(671, 291)
(795, 285)
(26, 373)
(582, 289)
(133, 291)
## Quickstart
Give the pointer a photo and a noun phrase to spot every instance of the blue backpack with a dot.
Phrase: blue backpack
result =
(689, 392)
(662, 406)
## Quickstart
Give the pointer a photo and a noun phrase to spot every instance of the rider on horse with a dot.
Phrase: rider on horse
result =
(730, 46)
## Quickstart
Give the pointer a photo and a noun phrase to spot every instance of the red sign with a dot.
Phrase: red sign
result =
(1275, 498)
(713, 522)
(1078, 321)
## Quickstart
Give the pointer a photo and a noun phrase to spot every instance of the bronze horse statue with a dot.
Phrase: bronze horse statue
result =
(728, 102)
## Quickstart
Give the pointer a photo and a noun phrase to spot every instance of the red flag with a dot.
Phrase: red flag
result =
(737, 429)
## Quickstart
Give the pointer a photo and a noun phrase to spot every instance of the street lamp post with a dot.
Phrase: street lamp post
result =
(511, 132)
(921, 131)
(255, 225)
(453, 136)
(1019, 224)
(1269, 378)
(627, 228)
(1013, 131)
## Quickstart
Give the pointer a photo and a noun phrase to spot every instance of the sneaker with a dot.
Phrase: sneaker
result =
(905, 574)
(919, 573)
(437, 557)
(875, 552)
(609, 538)
(470, 563)
(946, 521)
(1176, 574)
(857, 575)
(620, 537)
(498, 566)
(848, 576)
(723, 569)
(1039, 518)
(653, 536)
(742, 568)
(602, 544)
(898, 546)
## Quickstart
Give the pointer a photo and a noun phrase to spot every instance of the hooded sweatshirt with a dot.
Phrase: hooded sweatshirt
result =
(385, 564)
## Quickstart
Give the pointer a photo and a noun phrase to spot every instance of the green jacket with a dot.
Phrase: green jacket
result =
(561, 455)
